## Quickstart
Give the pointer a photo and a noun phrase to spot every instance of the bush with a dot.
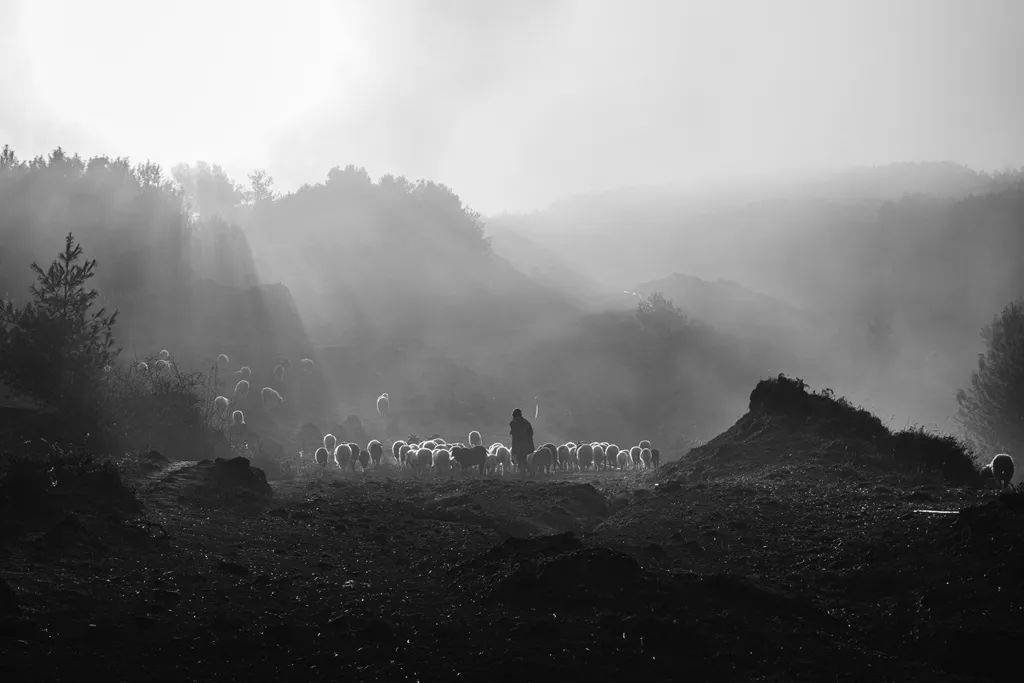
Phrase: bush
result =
(942, 453)
(784, 395)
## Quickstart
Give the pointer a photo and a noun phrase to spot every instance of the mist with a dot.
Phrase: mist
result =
(538, 340)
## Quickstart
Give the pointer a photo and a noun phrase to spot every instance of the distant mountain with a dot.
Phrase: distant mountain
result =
(729, 306)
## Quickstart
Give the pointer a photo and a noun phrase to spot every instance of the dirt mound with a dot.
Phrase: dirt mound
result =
(790, 431)
(220, 482)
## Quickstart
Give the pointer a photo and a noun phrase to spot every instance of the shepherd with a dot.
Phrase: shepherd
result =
(521, 432)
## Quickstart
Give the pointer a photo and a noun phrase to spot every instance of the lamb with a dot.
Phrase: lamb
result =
(238, 418)
(220, 405)
(645, 458)
(376, 450)
(475, 439)
(321, 457)
(270, 397)
(222, 359)
(1000, 469)
(475, 456)
(383, 404)
(242, 388)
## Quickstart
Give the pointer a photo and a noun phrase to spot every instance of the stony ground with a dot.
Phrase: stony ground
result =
(792, 574)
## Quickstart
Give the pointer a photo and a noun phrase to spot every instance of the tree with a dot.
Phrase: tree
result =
(261, 187)
(57, 344)
(991, 411)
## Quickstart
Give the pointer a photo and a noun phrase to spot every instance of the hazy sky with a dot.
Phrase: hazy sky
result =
(516, 103)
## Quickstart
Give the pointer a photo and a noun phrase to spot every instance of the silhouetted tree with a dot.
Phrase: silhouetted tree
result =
(55, 345)
(992, 409)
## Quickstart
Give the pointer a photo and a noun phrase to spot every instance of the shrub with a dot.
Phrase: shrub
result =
(941, 453)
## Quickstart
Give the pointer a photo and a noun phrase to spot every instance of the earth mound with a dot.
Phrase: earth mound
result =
(790, 430)
(217, 482)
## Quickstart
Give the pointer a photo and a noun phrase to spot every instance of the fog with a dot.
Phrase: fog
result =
(517, 104)
(475, 206)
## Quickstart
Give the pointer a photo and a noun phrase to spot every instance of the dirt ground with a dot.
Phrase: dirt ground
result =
(576, 576)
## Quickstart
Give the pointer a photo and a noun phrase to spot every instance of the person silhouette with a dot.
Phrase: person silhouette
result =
(521, 432)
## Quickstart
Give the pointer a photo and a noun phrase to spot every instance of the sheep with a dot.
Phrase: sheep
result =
(245, 372)
(634, 455)
(404, 454)
(279, 374)
(424, 459)
(165, 354)
(504, 456)
(599, 456)
(645, 458)
(611, 454)
(238, 418)
(364, 459)
(354, 455)
(321, 457)
(343, 455)
(1000, 469)
(220, 404)
(491, 464)
(474, 456)
(376, 450)
(562, 456)
(441, 460)
(644, 444)
(540, 460)
(655, 457)
(270, 397)
(586, 456)
(383, 404)
(624, 460)
(162, 365)
(222, 359)
(330, 442)
(396, 448)
(242, 388)
(143, 367)
(307, 365)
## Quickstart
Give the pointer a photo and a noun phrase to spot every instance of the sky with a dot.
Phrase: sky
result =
(517, 104)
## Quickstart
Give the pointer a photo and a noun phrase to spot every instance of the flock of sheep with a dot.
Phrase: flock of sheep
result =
(441, 457)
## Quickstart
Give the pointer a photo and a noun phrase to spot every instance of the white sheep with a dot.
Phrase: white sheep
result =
(644, 444)
(383, 404)
(279, 374)
(165, 354)
(441, 460)
(245, 372)
(624, 460)
(645, 458)
(307, 365)
(343, 455)
(162, 365)
(143, 366)
(634, 455)
(220, 404)
(599, 456)
(330, 442)
(475, 438)
(1000, 469)
(222, 359)
(322, 457)
(242, 388)
(270, 397)
(396, 447)
(611, 453)
(238, 418)
(376, 450)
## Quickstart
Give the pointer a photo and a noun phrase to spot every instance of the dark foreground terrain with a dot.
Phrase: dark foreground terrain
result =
(757, 556)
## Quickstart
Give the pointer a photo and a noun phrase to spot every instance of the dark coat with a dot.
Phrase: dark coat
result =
(522, 436)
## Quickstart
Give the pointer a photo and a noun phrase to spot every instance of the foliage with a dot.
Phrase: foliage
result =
(57, 344)
(935, 453)
(991, 410)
